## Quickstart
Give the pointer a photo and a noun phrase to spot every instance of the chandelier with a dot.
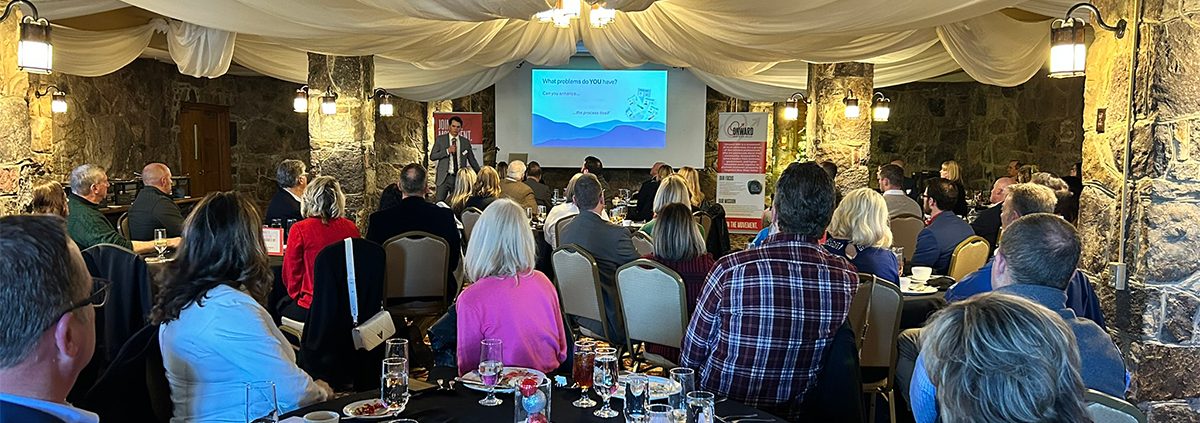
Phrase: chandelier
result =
(565, 11)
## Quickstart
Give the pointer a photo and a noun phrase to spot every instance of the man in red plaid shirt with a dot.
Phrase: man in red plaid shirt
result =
(767, 314)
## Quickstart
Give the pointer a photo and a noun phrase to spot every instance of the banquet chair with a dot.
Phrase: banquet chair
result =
(417, 267)
(129, 301)
(705, 220)
(860, 307)
(653, 303)
(877, 357)
(1105, 408)
(904, 233)
(558, 229)
(643, 243)
(469, 217)
(579, 292)
(123, 225)
(970, 255)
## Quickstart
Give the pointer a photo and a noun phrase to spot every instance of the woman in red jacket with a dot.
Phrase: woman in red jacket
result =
(323, 205)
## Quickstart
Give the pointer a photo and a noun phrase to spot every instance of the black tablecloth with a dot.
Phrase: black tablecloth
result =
(461, 405)
(918, 308)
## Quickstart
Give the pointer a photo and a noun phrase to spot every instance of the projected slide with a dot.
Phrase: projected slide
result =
(599, 108)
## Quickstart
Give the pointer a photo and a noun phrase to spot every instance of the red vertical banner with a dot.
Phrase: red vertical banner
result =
(741, 169)
(472, 129)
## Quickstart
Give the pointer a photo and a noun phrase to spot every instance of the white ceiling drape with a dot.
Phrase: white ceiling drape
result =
(436, 49)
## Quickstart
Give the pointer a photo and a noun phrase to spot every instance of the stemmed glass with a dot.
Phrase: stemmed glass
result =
(604, 378)
(160, 243)
(261, 405)
(581, 369)
(491, 363)
(393, 384)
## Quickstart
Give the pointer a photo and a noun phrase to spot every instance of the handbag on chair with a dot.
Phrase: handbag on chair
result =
(379, 327)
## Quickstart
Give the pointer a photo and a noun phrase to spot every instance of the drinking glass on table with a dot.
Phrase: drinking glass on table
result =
(395, 348)
(637, 397)
(899, 253)
(491, 364)
(618, 214)
(393, 384)
(659, 413)
(604, 378)
(160, 243)
(701, 407)
(686, 379)
(261, 405)
(557, 198)
(581, 370)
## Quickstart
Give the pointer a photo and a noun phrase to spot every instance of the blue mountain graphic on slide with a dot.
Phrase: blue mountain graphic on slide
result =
(545, 129)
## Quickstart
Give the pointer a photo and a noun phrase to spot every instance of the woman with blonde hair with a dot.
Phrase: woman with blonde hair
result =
(717, 235)
(464, 183)
(953, 173)
(485, 190)
(323, 207)
(859, 231)
(49, 198)
(673, 190)
(508, 300)
(691, 178)
(563, 210)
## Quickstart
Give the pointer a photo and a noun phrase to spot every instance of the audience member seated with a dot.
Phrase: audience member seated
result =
(832, 170)
(325, 205)
(486, 189)
(1001, 358)
(679, 246)
(944, 231)
(645, 195)
(859, 232)
(1013, 169)
(950, 171)
(562, 211)
(153, 208)
(541, 192)
(1035, 262)
(609, 244)
(910, 182)
(500, 260)
(672, 190)
(717, 236)
(502, 169)
(292, 177)
(85, 223)
(592, 165)
(987, 223)
(891, 182)
(415, 214)
(215, 335)
(48, 198)
(1068, 205)
(774, 286)
(49, 320)
(390, 196)
(513, 188)
(463, 184)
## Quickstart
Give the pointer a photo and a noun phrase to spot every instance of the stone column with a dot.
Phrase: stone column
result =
(16, 150)
(845, 142)
(1155, 318)
(343, 144)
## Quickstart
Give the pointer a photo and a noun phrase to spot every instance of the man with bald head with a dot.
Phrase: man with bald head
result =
(987, 224)
(153, 207)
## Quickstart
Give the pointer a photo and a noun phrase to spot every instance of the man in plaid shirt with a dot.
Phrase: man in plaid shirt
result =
(766, 315)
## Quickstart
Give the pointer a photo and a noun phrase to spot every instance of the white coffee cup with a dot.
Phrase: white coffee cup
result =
(920, 274)
(322, 417)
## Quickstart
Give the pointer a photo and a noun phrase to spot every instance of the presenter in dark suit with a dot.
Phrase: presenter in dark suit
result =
(290, 174)
(452, 152)
(413, 213)
(936, 243)
(609, 244)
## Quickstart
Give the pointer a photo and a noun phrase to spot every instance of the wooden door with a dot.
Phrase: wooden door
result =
(204, 148)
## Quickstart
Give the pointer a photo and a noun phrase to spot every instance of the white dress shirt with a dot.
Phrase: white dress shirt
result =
(212, 351)
(63, 412)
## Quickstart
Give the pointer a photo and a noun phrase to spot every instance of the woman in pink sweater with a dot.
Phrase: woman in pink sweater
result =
(509, 300)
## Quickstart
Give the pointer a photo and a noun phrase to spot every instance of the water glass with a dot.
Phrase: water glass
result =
(557, 198)
(604, 378)
(659, 413)
(637, 396)
(701, 407)
(532, 400)
(542, 213)
(160, 242)
(581, 370)
(261, 404)
(393, 384)
(395, 348)
(686, 378)
(491, 364)
(899, 253)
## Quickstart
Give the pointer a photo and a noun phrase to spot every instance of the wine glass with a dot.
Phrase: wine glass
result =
(604, 378)
(393, 384)
(160, 243)
(261, 404)
(491, 363)
(581, 370)
(557, 198)
(686, 378)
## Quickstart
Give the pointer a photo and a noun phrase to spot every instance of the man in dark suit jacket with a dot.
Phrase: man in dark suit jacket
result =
(413, 213)
(987, 223)
(541, 192)
(645, 195)
(936, 243)
(292, 179)
(153, 207)
(512, 187)
(609, 244)
(451, 151)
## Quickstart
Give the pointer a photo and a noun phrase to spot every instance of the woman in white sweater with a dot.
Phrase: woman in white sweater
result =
(215, 335)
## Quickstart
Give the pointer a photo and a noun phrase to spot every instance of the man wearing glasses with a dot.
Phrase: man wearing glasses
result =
(48, 322)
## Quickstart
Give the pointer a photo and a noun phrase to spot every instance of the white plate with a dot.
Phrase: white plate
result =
(508, 378)
(348, 410)
(918, 289)
(660, 387)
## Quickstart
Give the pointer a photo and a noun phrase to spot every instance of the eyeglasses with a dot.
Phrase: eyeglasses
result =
(98, 297)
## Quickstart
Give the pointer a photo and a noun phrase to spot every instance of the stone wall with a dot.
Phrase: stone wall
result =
(982, 127)
(18, 161)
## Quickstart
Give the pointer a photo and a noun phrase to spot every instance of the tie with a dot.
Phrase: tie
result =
(454, 160)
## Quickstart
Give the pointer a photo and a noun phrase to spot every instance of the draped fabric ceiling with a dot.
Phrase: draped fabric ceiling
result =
(437, 49)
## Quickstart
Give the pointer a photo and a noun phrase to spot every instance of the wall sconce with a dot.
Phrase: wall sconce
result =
(58, 99)
(1068, 51)
(385, 102)
(791, 109)
(851, 102)
(300, 103)
(329, 103)
(35, 54)
(882, 107)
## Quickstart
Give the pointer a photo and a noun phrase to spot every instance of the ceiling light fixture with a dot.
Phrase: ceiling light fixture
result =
(35, 54)
(300, 103)
(791, 108)
(881, 110)
(58, 98)
(851, 102)
(386, 108)
(601, 15)
(1068, 50)
(329, 103)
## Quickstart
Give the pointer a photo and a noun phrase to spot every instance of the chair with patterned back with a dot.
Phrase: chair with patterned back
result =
(904, 233)
(969, 256)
